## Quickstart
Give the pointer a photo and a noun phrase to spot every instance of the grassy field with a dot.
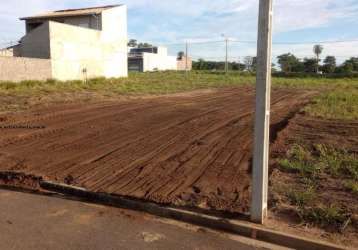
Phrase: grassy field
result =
(339, 103)
(338, 100)
(170, 82)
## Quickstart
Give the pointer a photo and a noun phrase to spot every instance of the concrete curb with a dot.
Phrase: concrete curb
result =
(231, 226)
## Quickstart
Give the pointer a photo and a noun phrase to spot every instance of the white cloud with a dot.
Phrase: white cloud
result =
(300, 14)
(235, 17)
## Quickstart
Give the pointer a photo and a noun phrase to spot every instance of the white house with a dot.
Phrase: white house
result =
(79, 43)
(151, 59)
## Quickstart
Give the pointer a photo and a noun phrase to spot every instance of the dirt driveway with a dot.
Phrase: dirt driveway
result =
(192, 149)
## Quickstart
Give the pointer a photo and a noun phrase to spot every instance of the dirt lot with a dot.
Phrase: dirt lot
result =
(190, 149)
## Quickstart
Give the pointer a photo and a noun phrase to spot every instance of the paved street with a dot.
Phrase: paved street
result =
(36, 222)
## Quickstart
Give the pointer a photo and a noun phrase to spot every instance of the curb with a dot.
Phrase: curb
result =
(245, 229)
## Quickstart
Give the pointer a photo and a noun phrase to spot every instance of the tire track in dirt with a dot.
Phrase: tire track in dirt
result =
(189, 150)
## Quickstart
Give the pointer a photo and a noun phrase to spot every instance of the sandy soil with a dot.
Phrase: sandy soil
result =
(192, 150)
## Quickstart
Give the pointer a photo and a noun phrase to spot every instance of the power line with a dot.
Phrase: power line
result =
(235, 41)
(254, 42)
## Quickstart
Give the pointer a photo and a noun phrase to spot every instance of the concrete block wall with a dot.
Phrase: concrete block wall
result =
(75, 52)
(183, 62)
(79, 53)
(17, 69)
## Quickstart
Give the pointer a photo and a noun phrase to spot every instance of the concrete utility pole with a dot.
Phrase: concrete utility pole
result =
(186, 57)
(226, 53)
(262, 115)
(226, 56)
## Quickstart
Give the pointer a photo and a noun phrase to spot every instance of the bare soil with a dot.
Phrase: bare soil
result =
(189, 150)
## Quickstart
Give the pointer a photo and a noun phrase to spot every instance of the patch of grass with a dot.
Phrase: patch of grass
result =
(301, 198)
(336, 104)
(337, 163)
(315, 83)
(299, 160)
(352, 186)
(310, 163)
(323, 215)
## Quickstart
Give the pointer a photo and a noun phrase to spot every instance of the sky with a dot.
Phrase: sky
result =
(202, 22)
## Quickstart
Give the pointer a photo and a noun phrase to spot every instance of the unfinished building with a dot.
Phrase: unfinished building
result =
(76, 44)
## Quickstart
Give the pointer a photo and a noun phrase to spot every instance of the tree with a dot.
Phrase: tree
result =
(354, 62)
(200, 65)
(237, 66)
(132, 43)
(346, 67)
(317, 49)
(329, 65)
(144, 45)
(310, 65)
(254, 63)
(289, 63)
(181, 54)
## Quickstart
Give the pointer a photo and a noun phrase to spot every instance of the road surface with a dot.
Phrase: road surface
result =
(35, 222)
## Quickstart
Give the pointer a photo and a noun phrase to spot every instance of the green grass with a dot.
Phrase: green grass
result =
(339, 98)
(318, 214)
(337, 163)
(311, 165)
(169, 82)
(136, 83)
(301, 198)
(323, 215)
(299, 160)
(322, 159)
(337, 104)
(352, 186)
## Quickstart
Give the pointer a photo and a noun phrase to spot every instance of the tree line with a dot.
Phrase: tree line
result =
(289, 63)
(248, 64)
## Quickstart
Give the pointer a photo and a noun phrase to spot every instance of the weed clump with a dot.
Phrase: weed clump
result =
(320, 159)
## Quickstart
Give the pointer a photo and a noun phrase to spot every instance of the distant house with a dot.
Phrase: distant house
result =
(151, 59)
(79, 43)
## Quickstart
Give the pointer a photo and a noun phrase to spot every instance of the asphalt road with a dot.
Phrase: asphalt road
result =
(36, 222)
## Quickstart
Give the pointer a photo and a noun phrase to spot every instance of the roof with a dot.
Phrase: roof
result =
(72, 12)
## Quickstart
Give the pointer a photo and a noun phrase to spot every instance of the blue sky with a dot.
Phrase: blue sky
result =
(170, 22)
